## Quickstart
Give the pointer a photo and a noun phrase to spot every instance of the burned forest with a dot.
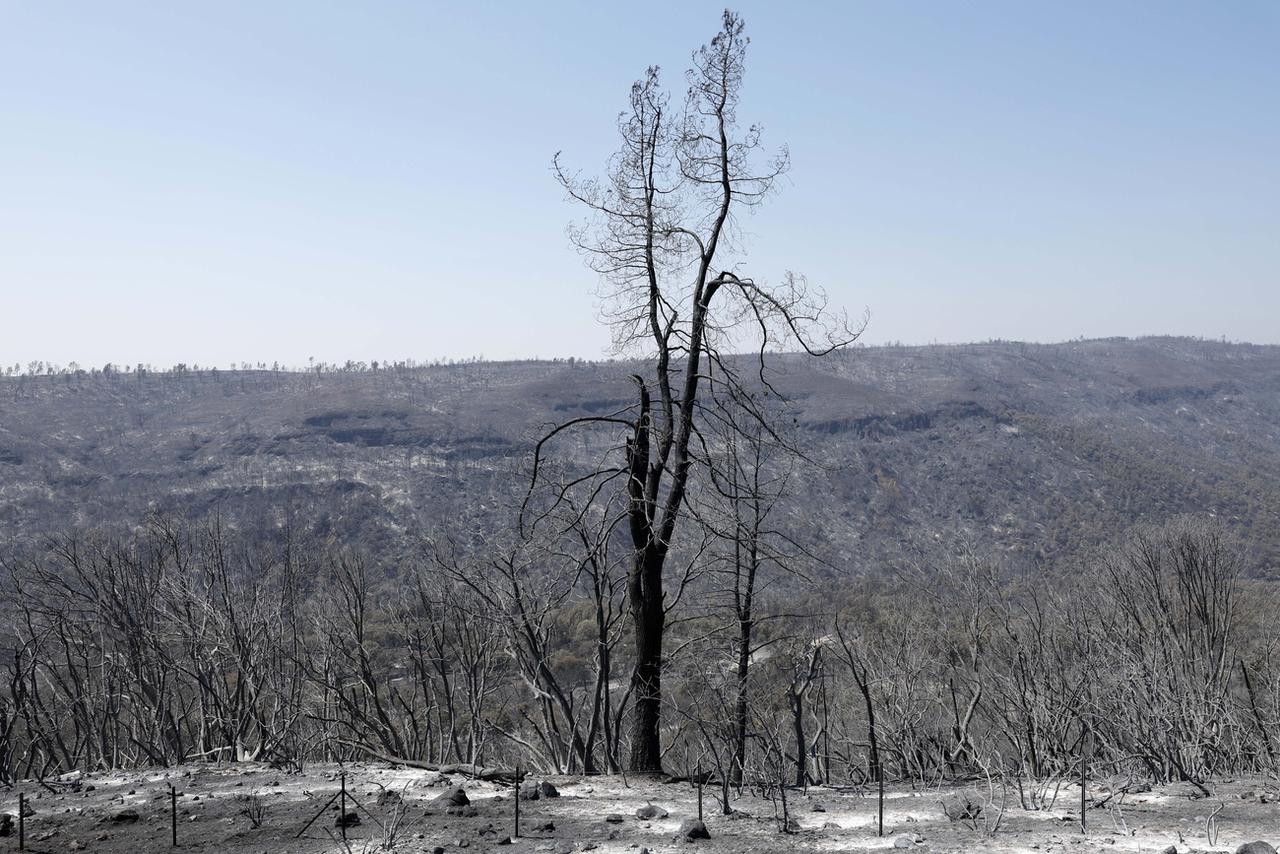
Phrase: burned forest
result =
(753, 579)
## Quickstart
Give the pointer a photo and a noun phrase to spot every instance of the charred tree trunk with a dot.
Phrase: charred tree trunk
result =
(646, 678)
(644, 595)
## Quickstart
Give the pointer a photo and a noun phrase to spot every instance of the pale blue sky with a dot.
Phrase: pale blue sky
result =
(209, 182)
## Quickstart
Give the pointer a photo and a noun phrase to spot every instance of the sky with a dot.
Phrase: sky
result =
(214, 183)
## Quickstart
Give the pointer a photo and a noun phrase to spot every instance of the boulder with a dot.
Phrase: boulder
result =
(531, 791)
(453, 797)
(1256, 848)
(6, 824)
(125, 817)
(691, 829)
(649, 812)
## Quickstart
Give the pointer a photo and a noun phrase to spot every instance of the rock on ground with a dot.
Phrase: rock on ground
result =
(453, 797)
(1256, 848)
(691, 829)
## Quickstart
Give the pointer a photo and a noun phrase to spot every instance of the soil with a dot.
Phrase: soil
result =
(129, 813)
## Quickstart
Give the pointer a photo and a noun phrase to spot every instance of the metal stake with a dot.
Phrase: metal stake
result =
(22, 821)
(516, 835)
(342, 808)
(879, 798)
(1084, 770)
(173, 813)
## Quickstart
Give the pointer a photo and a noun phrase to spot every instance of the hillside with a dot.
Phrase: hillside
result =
(1037, 452)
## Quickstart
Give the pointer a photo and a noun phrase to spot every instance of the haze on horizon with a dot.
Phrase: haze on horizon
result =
(217, 184)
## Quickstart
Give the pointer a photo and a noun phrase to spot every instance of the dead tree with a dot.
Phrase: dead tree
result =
(660, 234)
(804, 671)
(856, 660)
(749, 472)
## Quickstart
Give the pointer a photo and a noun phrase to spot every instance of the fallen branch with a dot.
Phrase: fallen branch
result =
(498, 775)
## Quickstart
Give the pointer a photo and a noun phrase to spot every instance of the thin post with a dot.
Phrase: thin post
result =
(173, 815)
(342, 808)
(1084, 772)
(879, 798)
(516, 834)
(22, 821)
(699, 781)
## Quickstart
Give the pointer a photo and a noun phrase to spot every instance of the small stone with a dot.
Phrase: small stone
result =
(76, 845)
(1170, 849)
(6, 824)
(349, 819)
(902, 842)
(614, 818)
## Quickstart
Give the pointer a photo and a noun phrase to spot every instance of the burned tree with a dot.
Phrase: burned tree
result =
(661, 234)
